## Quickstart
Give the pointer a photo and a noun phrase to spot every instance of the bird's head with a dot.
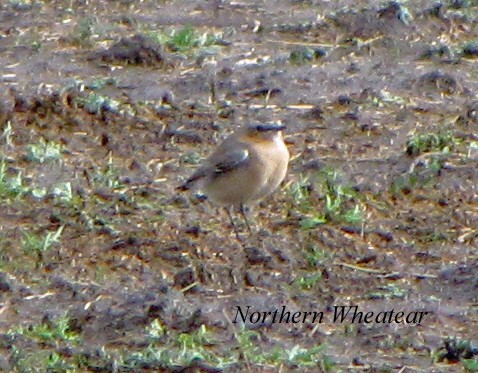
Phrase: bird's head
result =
(264, 132)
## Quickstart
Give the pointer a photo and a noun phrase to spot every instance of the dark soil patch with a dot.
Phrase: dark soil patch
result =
(105, 267)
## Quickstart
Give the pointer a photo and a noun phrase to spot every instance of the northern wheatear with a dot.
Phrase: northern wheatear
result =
(249, 165)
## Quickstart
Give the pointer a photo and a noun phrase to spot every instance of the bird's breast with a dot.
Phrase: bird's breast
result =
(272, 163)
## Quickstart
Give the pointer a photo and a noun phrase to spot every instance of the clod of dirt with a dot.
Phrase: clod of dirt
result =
(20, 102)
(314, 164)
(130, 244)
(189, 318)
(303, 54)
(316, 113)
(441, 53)
(344, 100)
(395, 10)
(472, 112)
(352, 116)
(181, 202)
(185, 136)
(251, 279)
(5, 283)
(471, 50)
(5, 113)
(193, 230)
(368, 23)
(436, 10)
(256, 256)
(438, 81)
(265, 91)
(173, 255)
(136, 50)
(184, 277)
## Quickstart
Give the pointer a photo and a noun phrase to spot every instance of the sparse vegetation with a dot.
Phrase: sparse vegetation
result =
(308, 282)
(340, 202)
(43, 152)
(456, 350)
(430, 142)
(11, 186)
(95, 103)
(186, 39)
(295, 357)
(107, 177)
(106, 108)
(83, 32)
(38, 245)
(388, 292)
(315, 256)
(182, 349)
(51, 333)
(55, 335)
(305, 54)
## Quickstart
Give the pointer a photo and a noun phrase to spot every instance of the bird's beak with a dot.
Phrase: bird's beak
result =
(271, 127)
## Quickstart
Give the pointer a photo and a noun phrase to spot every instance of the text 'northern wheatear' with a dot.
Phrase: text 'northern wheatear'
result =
(248, 166)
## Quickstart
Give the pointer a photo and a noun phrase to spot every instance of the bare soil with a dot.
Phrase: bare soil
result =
(353, 82)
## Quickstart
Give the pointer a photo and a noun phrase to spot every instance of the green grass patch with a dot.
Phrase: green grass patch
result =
(43, 152)
(308, 281)
(299, 193)
(315, 256)
(51, 333)
(405, 184)
(431, 142)
(96, 103)
(11, 187)
(297, 356)
(339, 202)
(108, 177)
(44, 340)
(391, 291)
(167, 351)
(186, 39)
(470, 365)
(38, 245)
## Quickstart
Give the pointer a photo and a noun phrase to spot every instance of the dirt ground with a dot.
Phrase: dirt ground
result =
(107, 106)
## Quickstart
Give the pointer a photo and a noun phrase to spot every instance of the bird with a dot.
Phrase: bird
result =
(247, 166)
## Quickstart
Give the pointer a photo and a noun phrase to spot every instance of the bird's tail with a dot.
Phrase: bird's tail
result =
(189, 183)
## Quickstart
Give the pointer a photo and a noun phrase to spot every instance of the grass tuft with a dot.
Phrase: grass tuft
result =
(34, 244)
(431, 142)
(43, 152)
(340, 204)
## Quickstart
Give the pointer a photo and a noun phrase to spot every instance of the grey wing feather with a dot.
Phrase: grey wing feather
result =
(227, 162)
(219, 164)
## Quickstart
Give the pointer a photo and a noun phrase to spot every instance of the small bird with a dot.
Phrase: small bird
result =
(248, 166)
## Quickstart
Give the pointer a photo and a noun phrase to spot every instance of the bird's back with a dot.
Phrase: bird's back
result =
(244, 169)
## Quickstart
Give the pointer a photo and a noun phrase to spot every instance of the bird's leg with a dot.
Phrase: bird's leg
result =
(243, 213)
(236, 231)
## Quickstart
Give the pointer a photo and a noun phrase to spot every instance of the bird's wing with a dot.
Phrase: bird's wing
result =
(219, 164)
(223, 163)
